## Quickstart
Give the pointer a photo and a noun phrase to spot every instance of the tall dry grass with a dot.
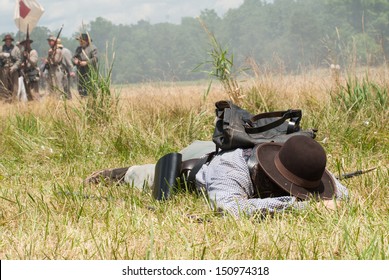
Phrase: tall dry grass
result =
(49, 147)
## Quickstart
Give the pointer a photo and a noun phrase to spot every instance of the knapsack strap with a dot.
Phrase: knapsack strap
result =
(192, 166)
(293, 115)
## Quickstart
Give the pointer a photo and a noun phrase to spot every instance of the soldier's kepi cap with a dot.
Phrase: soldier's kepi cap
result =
(84, 37)
(8, 37)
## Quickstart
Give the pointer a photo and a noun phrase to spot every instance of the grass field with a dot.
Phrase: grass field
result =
(47, 149)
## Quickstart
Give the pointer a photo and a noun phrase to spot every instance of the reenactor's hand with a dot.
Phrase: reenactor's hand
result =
(83, 63)
(4, 54)
(72, 74)
(329, 204)
(76, 61)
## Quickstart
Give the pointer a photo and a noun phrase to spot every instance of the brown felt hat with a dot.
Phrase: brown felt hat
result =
(298, 167)
(8, 37)
(84, 37)
(25, 42)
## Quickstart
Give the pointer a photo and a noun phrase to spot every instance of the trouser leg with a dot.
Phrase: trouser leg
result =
(83, 80)
(32, 89)
(5, 84)
(27, 86)
(55, 81)
(51, 79)
(14, 84)
(66, 86)
(82, 88)
(3, 88)
(60, 76)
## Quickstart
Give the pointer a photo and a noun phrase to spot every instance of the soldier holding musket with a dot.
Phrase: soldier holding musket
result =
(29, 69)
(54, 66)
(10, 60)
(84, 59)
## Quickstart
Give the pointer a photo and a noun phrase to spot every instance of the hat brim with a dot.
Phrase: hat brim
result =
(5, 39)
(81, 38)
(25, 41)
(266, 154)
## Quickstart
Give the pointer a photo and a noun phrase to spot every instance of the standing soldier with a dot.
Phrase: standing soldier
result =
(85, 59)
(54, 66)
(29, 68)
(10, 60)
(67, 65)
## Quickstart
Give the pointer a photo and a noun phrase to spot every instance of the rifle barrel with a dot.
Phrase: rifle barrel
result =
(355, 173)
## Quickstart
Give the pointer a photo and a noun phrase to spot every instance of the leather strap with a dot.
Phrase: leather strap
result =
(282, 115)
(192, 166)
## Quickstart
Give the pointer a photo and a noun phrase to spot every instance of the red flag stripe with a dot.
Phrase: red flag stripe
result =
(23, 9)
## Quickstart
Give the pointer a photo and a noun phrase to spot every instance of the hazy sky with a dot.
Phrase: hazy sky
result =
(72, 13)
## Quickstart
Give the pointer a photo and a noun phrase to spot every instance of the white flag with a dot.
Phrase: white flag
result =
(27, 13)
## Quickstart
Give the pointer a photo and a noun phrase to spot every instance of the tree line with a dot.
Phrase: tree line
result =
(283, 35)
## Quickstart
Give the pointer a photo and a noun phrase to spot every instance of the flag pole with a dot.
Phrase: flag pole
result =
(19, 21)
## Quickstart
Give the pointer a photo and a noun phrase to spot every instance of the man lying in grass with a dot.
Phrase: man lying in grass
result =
(268, 178)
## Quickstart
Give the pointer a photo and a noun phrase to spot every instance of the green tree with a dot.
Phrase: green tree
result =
(299, 33)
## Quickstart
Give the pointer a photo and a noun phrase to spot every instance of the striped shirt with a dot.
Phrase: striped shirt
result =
(227, 182)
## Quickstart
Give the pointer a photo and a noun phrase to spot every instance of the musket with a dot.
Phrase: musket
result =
(26, 52)
(28, 43)
(28, 47)
(355, 173)
(56, 39)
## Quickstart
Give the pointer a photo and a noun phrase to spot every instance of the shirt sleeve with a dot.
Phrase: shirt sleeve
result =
(17, 58)
(341, 191)
(93, 56)
(229, 187)
(33, 58)
(67, 60)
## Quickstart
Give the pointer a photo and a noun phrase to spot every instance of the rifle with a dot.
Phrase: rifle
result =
(28, 42)
(355, 173)
(53, 48)
(26, 51)
(27, 48)
(77, 53)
